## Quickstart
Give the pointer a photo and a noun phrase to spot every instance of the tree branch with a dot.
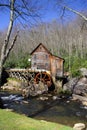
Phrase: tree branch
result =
(5, 5)
(76, 12)
(11, 46)
(10, 25)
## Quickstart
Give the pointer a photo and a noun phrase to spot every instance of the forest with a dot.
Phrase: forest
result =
(68, 40)
(64, 35)
(61, 27)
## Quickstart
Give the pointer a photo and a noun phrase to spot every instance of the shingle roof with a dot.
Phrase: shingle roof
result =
(46, 50)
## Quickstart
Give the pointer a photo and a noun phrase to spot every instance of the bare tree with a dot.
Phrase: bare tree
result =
(63, 40)
(76, 12)
(21, 10)
(67, 5)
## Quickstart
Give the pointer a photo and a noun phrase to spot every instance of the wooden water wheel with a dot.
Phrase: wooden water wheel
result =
(43, 77)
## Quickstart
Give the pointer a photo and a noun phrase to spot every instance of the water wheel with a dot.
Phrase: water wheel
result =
(43, 77)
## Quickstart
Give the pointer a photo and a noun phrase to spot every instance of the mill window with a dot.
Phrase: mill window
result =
(46, 56)
(34, 63)
(35, 57)
(46, 64)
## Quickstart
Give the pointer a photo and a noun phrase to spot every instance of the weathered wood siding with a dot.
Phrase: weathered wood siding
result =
(43, 59)
(59, 68)
(40, 59)
(56, 66)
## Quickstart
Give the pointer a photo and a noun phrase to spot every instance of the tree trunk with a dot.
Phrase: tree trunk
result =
(0, 72)
(4, 51)
(1, 69)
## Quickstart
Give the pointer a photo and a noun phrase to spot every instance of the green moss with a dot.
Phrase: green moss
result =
(13, 79)
(64, 92)
(13, 121)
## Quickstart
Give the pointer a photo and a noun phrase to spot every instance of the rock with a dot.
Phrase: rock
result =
(70, 85)
(77, 86)
(43, 98)
(84, 103)
(15, 84)
(83, 71)
(34, 89)
(49, 95)
(42, 87)
(7, 87)
(55, 97)
(83, 80)
(68, 101)
(80, 89)
(79, 126)
(26, 102)
(9, 109)
(39, 92)
(80, 98)
(25, 92)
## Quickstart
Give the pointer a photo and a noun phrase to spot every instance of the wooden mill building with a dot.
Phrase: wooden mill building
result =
(42, 58)
(45, 67)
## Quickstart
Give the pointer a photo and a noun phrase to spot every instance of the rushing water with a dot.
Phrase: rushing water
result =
(44, 107)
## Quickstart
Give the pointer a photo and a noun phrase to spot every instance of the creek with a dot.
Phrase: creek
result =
(46, 107)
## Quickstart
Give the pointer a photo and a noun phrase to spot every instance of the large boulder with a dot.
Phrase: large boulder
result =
(81, 87)
(35, 89)
(70, 85)
(77, 86)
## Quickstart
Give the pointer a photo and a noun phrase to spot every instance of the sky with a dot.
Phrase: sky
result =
(4, 20)
(50, 13)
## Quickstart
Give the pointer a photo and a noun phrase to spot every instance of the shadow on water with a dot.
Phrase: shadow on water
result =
(60, 110)
(45, 108)
(64, 113)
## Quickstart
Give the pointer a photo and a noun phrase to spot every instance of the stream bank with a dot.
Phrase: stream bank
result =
(46, 107)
